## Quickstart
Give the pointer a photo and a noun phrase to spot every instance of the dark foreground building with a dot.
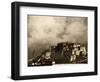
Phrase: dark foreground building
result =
(63, 53)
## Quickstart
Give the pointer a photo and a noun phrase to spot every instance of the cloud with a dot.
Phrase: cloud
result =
(44, 31)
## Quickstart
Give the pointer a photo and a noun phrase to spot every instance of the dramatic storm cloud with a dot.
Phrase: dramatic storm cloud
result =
(44, 31)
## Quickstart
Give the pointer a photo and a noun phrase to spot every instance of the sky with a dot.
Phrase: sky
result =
(45, 31)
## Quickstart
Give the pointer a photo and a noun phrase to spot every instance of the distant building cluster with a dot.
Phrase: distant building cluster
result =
(62, 53)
